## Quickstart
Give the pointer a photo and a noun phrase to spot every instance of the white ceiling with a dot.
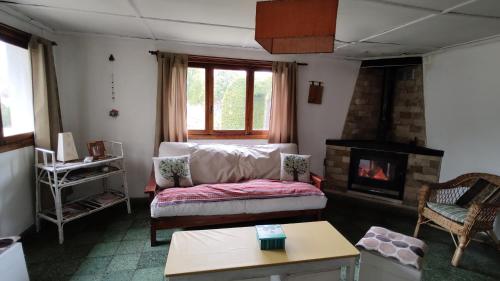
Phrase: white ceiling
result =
(365, 28)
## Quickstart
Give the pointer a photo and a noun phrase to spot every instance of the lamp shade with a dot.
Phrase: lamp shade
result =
(66, 150)
(296, 26)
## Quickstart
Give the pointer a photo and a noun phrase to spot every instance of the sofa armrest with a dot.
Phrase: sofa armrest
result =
(150, 188)
(316, 180)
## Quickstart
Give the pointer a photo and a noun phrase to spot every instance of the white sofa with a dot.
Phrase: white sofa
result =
(217, 164)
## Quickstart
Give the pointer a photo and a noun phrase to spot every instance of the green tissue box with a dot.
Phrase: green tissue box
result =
(270, 236)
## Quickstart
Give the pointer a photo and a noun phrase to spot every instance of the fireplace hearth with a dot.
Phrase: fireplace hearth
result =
(378, 172)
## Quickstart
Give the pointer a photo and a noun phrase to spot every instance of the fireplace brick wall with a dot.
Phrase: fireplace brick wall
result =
(409, 110)
(421, 169)
(362, 118)
(408, 106)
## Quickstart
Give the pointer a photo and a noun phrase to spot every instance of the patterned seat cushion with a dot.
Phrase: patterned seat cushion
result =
(450, 211)
(404, 249)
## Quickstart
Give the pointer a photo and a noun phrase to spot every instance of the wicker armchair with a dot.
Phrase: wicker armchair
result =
(478, 217)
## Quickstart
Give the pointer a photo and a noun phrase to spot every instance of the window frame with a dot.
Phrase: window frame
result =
(211, 63)
(20, 39)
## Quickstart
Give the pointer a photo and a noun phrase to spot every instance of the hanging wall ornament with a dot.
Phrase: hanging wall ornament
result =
(113, 112)
(112, 61)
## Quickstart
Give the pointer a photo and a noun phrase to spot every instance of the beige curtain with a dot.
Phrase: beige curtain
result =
(171, 101)
(46, 107)
(283, 119)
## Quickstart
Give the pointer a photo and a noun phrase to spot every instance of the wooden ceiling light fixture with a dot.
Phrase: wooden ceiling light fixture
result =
(296, 26)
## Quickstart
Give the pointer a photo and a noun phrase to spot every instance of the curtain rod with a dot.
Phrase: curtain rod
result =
(156, 53)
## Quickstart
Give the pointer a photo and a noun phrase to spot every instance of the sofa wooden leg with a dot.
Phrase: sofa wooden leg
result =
(463, 241)
(154, 242)
(417, 227)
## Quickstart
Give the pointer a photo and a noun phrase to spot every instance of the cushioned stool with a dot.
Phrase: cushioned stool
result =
(388, 256)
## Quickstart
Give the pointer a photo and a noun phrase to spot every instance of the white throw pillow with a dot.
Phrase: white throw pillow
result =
(172, 171)
(295, 167)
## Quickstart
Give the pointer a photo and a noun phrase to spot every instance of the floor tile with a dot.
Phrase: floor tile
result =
(124, 262)
(162, 246)
(113, 235)
(104, 249)
(120, 225)
(137, 234)
(93, 277)
(93, 265)
(166, 234)
(149, 274)
(130, 247)
(123, 275)
(152, 259)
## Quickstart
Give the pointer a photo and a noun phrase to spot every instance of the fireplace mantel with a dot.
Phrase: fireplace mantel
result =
(386, 146)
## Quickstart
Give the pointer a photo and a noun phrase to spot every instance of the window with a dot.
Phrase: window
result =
(228, 98)
(16, 96)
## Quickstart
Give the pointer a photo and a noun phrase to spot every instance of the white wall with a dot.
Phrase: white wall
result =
(85, 86)
(462, 106)
(16, 191)
(16, 167)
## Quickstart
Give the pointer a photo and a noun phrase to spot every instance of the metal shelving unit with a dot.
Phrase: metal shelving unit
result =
(58, 175)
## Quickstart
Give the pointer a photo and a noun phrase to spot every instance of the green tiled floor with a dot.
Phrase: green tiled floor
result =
(112, 245)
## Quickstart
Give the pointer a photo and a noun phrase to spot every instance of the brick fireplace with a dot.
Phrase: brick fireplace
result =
(382, 151)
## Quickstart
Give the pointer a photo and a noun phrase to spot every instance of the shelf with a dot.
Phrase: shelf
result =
(85, 206)
(63, 167)
(79, 176)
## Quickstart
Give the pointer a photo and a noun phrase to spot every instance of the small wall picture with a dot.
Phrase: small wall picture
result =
(97, 150)
(315, 92)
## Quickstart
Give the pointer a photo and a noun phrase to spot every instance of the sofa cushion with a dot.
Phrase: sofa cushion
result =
(222, 163)
(254, 196)
(172, 171)
(295, 167)
(450, 211)
(252, 189)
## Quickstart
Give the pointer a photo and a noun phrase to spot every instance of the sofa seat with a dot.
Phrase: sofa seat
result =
(247, 197)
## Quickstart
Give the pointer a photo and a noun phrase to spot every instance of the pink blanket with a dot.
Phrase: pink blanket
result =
(252, 189)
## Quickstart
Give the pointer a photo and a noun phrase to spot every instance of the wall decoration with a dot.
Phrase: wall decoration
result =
(114, 113)
(97, 150)
(315, 92)
(112, 61)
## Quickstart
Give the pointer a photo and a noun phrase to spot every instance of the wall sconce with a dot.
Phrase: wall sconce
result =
(315, 92)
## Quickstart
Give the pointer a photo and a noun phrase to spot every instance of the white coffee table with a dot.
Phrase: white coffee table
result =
(234, 254)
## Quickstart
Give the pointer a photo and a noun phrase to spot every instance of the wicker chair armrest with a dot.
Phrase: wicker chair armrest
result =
(480, 217)
(423, 197)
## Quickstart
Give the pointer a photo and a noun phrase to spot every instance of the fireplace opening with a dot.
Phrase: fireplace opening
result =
(376, 169)
(378, 172)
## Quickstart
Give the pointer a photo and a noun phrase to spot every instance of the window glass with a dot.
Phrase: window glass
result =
(262, 92)
(229, 99)
(196, 98)
(16, 97)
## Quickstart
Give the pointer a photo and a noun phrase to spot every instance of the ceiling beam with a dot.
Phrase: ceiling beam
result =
(138, 15)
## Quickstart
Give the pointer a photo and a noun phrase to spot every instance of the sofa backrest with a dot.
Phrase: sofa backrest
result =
(218, 163)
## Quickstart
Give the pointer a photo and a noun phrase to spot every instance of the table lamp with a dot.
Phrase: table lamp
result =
(66, 150)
